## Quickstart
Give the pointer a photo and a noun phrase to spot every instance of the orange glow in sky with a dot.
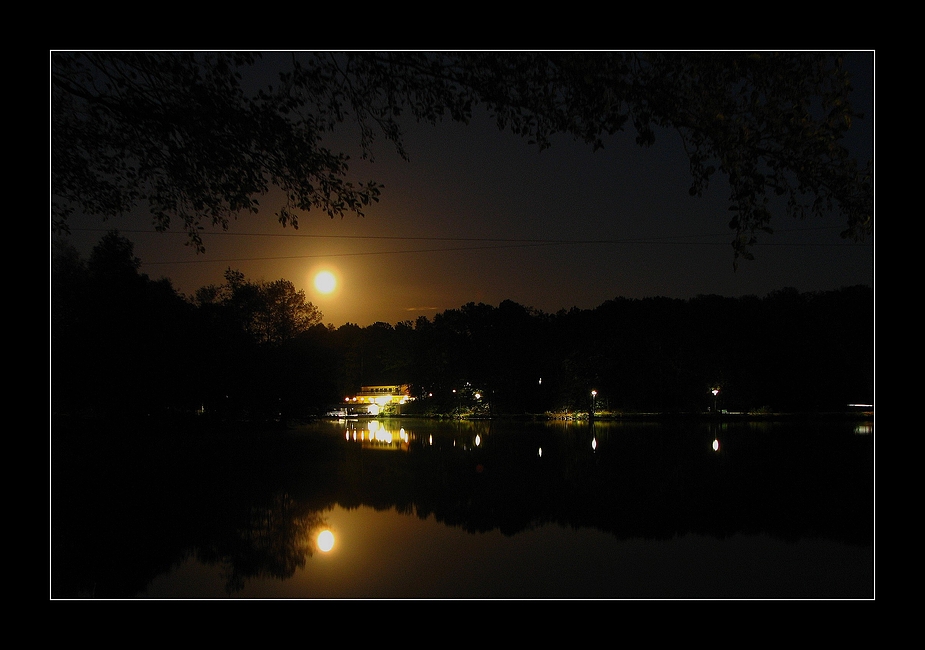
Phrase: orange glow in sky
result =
(479, 215)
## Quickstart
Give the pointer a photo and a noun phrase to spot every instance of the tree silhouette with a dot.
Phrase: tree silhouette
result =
(124, 344)
(200, 137)
(269, 312)
(116, 335)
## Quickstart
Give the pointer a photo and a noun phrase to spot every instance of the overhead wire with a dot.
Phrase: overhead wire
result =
(504, 243)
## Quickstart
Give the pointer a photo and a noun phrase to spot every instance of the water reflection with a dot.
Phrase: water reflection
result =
(864, 428)
(265, 511)
(374, 433)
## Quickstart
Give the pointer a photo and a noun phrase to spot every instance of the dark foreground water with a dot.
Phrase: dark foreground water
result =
(425, 509)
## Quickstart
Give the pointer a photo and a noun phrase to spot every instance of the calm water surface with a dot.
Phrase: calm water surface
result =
(424, 509)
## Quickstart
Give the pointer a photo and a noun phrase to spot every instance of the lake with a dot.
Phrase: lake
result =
(428, 509)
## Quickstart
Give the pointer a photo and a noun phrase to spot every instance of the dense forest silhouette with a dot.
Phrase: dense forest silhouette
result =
(124, 345)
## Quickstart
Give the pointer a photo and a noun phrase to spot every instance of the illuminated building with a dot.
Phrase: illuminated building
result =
(378, 399)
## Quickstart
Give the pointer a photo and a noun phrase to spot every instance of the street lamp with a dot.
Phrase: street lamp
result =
(593, 396)
(715, 392)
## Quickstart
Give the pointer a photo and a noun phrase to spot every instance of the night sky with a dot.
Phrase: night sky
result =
(479, 215)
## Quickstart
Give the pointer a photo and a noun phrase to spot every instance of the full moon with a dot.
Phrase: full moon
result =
(325, 282)
(325, 540)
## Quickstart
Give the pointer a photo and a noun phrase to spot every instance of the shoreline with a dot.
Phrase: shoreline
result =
(616, 417)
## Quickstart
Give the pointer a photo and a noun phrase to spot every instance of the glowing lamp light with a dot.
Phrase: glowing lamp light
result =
(325, 541)
(715, 444)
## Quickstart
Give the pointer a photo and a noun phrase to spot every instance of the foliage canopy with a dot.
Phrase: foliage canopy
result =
(270, 312)
(195, 137)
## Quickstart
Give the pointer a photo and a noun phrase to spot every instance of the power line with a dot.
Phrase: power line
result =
(412, 238)
(393, 252)
(505, 243)
(400, 238)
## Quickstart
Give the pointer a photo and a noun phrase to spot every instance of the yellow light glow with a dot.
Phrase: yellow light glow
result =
(325, 282)
(325, 541)
(378, 432)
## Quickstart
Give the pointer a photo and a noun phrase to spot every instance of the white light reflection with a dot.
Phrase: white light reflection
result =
(379, 433)
(715, 444)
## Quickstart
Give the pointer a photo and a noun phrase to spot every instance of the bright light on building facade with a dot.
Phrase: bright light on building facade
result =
(378, 398)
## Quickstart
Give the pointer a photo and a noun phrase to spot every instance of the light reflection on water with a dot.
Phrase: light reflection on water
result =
(388, 555)
(422, 509)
